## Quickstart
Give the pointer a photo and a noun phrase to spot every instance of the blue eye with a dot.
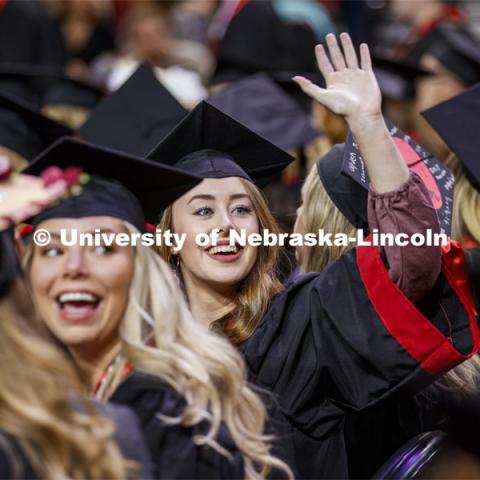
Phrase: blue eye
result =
(103, 250)
(203, 212)
(242, 210)
(51, 252)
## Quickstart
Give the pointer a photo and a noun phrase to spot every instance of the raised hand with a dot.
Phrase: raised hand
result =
(351, 89)
(22, 196)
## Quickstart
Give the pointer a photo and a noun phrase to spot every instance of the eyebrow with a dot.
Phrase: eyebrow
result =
(56, 235)
(234, 196)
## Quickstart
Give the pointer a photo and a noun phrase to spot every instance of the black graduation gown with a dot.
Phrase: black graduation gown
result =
(13, 461)
(344, 351)
(171, 446)
(473, 261)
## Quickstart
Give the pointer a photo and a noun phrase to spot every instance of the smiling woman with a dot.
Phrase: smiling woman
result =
(118, 313)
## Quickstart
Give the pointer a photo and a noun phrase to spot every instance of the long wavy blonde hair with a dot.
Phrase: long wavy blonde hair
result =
(161, 338)
(318, 212)
(466, 204)
(36, 409)
(260, 285)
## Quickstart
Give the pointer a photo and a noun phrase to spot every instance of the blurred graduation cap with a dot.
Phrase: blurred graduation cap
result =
(121, 185)
(397, 79)
(455, 48)
(258, 40)
(24, 129)
(210, 144)
(135, 117)
(262, 106)
(457, 121)
(347, 195)
(63, 90)
(437, 178)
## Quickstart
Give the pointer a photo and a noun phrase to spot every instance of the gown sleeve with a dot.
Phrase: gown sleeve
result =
(346, 339)
(414, 269)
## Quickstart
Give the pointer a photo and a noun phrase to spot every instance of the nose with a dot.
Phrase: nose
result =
(226, 224)
(75, 263)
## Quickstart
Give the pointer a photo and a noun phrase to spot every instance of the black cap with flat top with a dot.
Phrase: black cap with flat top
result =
(210, 144)
(455, 48)
(122, 186)
(457, 121)
(259, 40)
(134, 118)
(261, 105)
(24, 129)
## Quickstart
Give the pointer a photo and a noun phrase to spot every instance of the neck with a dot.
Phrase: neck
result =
(209, 303)
(92, 362)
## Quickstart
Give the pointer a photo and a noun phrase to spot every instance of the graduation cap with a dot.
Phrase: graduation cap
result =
(259, 104)
(455, 48)
(457, 121)
(62, 90)
(135, 117)
(259, 40)
(121, 185)
(347, 195)
(24, 129)
(397, 79)
(210, 144)
(437, 178)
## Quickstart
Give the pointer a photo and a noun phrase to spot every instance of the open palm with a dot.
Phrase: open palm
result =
(351, 89)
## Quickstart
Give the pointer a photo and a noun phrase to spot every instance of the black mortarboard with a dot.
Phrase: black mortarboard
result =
(397, 79)
(437, 178)
(259, 40)
(210, 144)
(455, 48)
(347, 195)
(63, 90)
(135, 117)
(24, 129)
(259, 104)
(457, 121)
(121, 184)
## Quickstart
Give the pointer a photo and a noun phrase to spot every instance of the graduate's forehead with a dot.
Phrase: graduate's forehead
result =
(216, 189)
(84, 224)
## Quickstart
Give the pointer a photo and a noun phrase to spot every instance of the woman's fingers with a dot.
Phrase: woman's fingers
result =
(349, 51)
(324, 64)
(335, 52)
(365, 60)
(310, 88)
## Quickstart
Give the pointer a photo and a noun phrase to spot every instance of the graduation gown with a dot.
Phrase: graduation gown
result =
(172, 449)
(342, 349)
(473, 261)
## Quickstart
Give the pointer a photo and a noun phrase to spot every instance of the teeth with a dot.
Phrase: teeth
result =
(77, 297)
(223, 249)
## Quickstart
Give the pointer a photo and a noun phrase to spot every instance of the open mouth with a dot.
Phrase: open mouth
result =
(77, 305)
(225, 252)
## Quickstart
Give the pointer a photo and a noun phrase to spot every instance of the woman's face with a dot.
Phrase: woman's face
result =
(223, 204)
(82, 292)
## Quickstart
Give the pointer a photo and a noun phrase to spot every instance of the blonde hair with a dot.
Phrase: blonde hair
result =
(17, 162)
(318, 211)
(161, 338)
(261, 284)
(466, 204)
(72, 116)
(58, 441)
